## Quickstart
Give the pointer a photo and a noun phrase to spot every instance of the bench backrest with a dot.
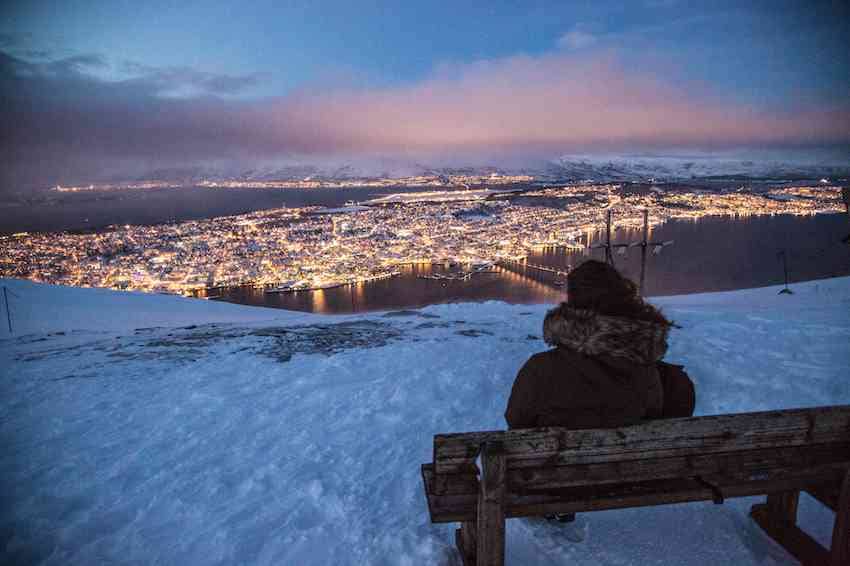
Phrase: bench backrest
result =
(746, 445)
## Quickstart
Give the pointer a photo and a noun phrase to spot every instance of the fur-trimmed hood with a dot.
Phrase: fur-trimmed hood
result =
(593, 334)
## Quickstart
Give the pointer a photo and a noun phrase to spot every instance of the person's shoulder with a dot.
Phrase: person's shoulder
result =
(554, 356)
(544, 355)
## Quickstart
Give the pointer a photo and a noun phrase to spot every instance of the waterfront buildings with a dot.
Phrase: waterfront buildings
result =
(310, 249)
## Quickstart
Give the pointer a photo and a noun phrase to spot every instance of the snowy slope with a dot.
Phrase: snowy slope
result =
(37, 307)
(298, 440)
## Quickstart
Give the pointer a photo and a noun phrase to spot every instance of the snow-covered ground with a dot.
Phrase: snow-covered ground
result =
(140, 429)
(47, 308)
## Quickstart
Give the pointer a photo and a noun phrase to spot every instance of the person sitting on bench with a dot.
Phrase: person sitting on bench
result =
(605, 369)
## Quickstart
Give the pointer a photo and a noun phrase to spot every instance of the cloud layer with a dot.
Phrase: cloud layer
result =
(576, 38)
(548, 101)
(61, 119)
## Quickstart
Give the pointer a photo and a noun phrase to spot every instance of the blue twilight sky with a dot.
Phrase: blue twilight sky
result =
(763, 50)
(321, 77)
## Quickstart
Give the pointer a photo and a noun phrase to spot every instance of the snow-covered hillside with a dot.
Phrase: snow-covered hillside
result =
(143, 429)
(37, 307)
(661, 166)
(672, 168)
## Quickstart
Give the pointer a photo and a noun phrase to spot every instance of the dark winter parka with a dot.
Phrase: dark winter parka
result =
(602, 373)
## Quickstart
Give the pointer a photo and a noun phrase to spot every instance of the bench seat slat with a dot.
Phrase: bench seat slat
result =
(462, 507)
(745, 465)
(764, 464)
(456, 453)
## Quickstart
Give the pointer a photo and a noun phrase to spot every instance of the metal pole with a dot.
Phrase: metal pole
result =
(643, 251)
(785, 290)
(785, 267)
(8, 316)
(609, 257)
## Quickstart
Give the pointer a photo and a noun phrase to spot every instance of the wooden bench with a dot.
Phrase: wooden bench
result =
(481, 478)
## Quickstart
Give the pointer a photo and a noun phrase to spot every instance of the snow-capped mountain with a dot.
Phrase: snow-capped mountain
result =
(664, 168)
(568, 167)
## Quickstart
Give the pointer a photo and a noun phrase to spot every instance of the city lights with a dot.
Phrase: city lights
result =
(307, 248)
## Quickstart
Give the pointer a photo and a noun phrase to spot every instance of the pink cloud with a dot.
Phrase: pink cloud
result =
(545, 101)
(64, 123)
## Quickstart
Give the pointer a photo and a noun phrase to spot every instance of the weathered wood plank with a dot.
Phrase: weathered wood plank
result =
(448, 484)
(455, 453)
(754, 464)
(427, 471)
(646, 494)
(797, 542)
(465, 542)
(840, 551)
(490, 538)
(455, 508)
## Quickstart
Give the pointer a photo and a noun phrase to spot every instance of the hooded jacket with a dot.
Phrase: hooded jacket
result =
(601, 373)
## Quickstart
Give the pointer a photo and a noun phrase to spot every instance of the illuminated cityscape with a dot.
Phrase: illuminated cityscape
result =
(311, 248)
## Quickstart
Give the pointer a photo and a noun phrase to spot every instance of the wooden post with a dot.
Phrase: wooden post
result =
(840, 550)
(778, 518)
(783, 506)
(609, 257)
(491, 507)
(465, 542)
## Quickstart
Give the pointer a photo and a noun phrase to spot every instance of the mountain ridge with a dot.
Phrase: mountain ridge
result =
(566, 168)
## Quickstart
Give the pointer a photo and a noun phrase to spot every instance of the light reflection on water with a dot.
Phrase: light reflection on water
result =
(709, 254)
(407, 290)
